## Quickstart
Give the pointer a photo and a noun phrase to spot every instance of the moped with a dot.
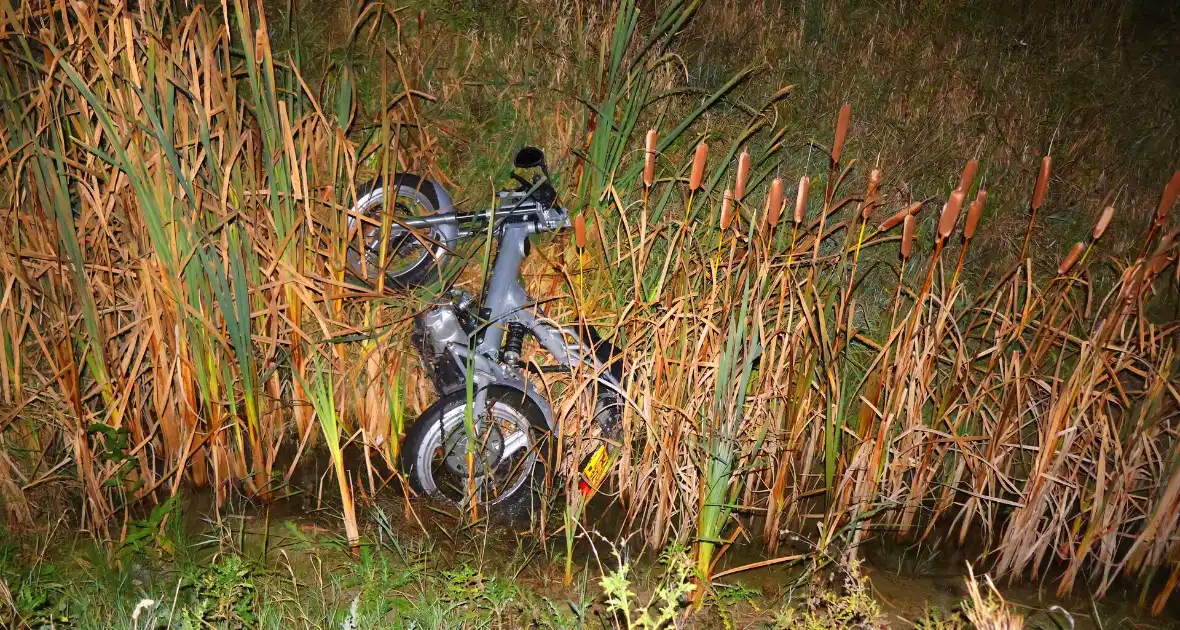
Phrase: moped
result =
(491, 435)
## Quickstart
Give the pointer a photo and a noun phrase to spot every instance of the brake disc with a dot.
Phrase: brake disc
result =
(489, 448)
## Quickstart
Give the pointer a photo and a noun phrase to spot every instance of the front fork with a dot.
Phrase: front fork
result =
(607, 415)
(505, 301)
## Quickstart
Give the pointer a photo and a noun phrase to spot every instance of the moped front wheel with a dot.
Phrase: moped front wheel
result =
(497, 458)
(378, 245)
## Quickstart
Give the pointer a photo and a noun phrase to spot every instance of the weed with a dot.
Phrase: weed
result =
(224, 597)
(669, 599)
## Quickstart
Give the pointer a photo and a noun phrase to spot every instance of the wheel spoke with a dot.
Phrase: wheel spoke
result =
(514, 443)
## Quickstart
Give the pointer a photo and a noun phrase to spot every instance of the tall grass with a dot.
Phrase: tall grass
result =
(173, 244)
(175, 307)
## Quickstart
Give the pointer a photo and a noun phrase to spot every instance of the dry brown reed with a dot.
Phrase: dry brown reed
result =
(1168, 197)
(975, 399)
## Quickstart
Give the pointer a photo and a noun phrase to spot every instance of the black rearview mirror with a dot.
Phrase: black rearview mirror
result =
(529, 157)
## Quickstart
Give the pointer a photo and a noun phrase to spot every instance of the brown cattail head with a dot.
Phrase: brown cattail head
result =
(950, 214)
(968, 176)
(871, 193)
(775, 202)
(892, 221)
(726, 209)
(1042, 183)
(841, 131)
(1168, 199)
(580, 231)
(649, 158)
(743, 176)
(974, 213)
(1103, 222)
(698, 166)
(1071, 258)
(801, 199)
(907, 236)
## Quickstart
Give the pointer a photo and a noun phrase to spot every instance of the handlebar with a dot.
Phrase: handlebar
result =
(545, 218)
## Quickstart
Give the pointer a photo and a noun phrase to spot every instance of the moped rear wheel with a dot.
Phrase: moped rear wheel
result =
(510, 444)
(411, 258)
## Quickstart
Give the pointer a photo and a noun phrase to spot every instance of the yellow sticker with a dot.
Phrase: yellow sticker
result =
(595, 469)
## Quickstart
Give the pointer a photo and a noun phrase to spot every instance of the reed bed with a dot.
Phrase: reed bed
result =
(175, 310)
(174, 203)
(1033, 410)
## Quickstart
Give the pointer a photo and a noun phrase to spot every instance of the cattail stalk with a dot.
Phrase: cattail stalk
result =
(743, 176)
(1039, 191)
(974, 213)
(841, 133)
(698, 167)
(649, 159)
(1103, 222)
(727, 202)
(800, 213)
(871, 191)
(967, 178)
(1071, 258)
(774, 202)
(1167, 201)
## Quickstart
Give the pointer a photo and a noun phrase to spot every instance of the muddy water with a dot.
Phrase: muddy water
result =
(909, 580)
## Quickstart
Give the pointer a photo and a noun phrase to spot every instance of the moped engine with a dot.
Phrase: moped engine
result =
(437, 330)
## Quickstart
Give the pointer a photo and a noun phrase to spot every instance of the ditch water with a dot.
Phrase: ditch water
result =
(908, 580)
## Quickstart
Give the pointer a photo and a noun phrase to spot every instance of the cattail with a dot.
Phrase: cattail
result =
(775, 211)
(1162, 257)
(1071, 258)
(1103, 222)
(726, 209)
(801, 199)
(743, 176)
(871, 194)
(649, 158)
(580, 231)
(1168, 199)
(1042, 183)
(1166, 241)
(698, 166)
(950, 214)
(841, 131)
(974, 213)
(907, 236)
(968, 176)
(892, 221)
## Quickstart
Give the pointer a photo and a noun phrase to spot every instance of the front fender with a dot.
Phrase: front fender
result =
(521, 386)
(533, 395)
